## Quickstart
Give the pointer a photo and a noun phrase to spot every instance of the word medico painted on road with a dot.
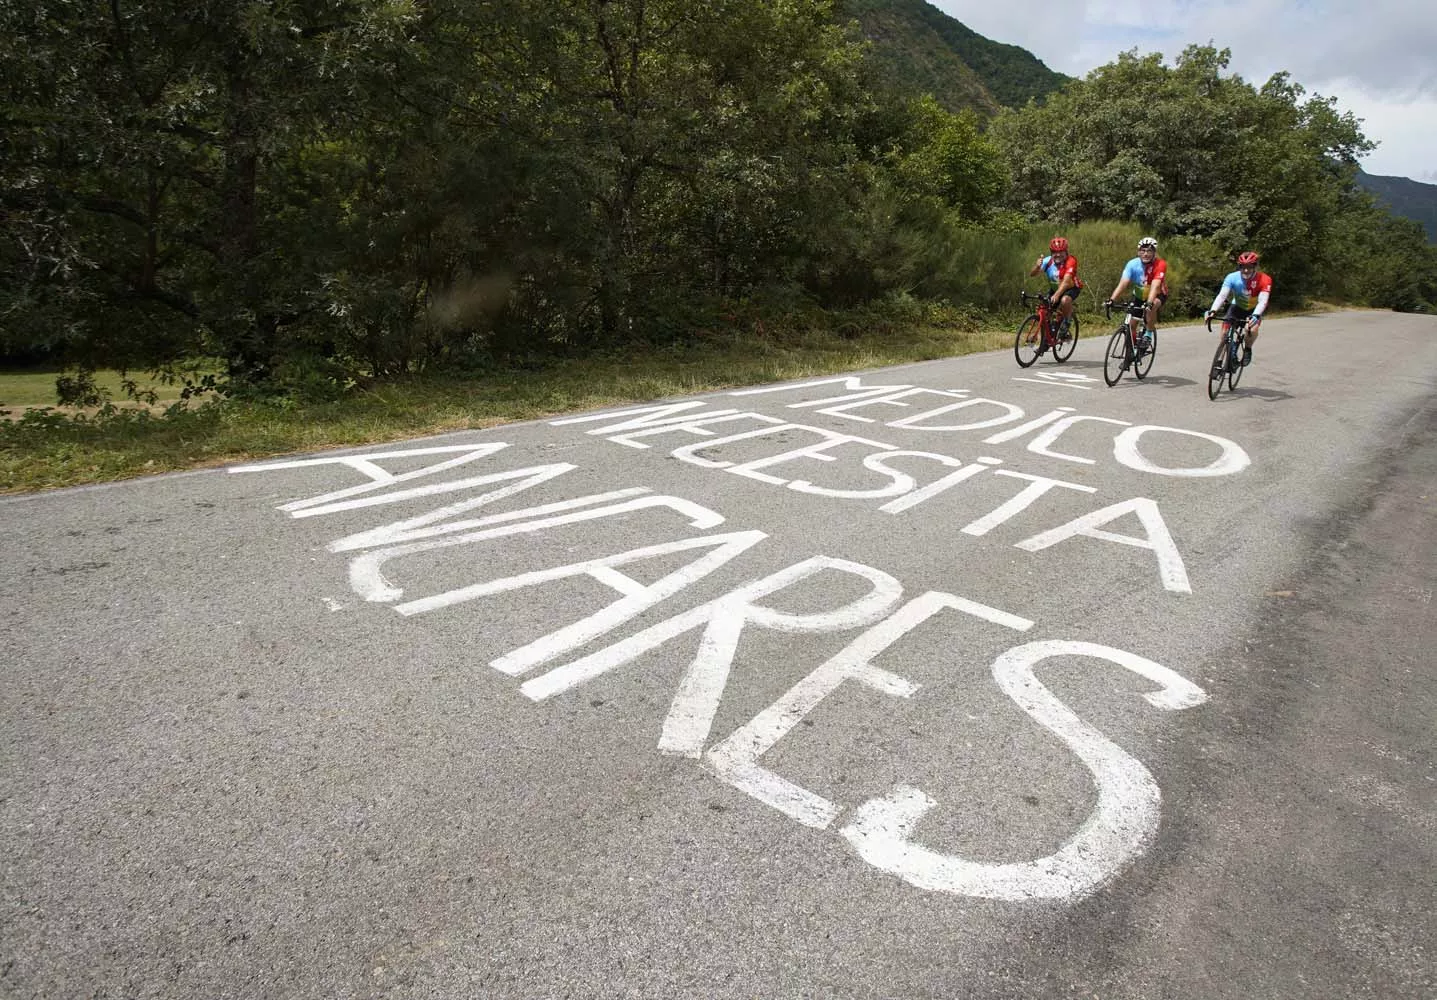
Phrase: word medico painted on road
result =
(883, 831)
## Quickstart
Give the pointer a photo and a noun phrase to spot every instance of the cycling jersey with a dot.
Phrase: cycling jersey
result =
(1056, 273)
(1140, 275)
(1248, 294)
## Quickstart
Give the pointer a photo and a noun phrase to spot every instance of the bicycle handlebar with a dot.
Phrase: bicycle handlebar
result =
(1024, 296)
(1236, 324)
(1131, 308)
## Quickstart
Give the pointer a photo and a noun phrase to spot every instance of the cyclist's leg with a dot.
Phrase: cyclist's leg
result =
(1251, 334)
(1244, 315)
(1234, 314)
(1066, 305)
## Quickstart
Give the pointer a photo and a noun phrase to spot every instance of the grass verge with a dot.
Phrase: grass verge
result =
(46, 449)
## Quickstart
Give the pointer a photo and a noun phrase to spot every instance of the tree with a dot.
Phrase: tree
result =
(160, 176)
(1188, 150)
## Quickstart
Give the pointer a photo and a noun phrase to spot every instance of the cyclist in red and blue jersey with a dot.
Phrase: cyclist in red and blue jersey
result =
(1061, 267)
(1147, 275)
(1250, 289)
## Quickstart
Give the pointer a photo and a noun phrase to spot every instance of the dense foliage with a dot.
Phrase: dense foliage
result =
(319, 191)
(1193, 151)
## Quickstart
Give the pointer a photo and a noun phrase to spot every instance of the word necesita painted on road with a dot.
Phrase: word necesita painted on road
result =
(881, 830)
(900, 490)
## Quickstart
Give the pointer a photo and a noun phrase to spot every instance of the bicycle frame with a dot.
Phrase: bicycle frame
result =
(1236, 329)
(1057, 338)
(1139, 344)
(1229, 353)
(1136, 311)
(1046, 312)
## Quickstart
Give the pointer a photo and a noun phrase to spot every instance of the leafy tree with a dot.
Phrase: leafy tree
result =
(938, 176)
(1189, 150)
(160, 161)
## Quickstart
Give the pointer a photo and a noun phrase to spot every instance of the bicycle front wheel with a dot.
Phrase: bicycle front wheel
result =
(1029, 339)
(1063, 349)
(1218, 371)
(1234, 370)
(1144, 364)
(1117, 357)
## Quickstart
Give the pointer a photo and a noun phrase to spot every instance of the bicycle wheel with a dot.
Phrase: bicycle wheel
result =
(1063, 349)
(1234, 371)
(1117, 357)
(1023, 350)
(1218, 371)
(1144, 364)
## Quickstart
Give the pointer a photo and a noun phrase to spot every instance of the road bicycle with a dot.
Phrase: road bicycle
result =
(1227, 362)
(1042, 331)
(1132, 345)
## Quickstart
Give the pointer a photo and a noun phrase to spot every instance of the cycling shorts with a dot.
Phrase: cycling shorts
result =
(1235, 313)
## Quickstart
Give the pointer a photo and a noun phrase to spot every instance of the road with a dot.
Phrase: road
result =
(948, 680)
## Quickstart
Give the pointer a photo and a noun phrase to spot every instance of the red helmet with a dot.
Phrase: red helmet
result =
(1247, 259)
(1058, 245)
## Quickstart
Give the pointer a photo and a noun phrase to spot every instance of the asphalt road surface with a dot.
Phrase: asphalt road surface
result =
(948, 680)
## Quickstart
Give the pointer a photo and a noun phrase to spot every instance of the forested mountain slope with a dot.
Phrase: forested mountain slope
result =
(1405, 197)
(921, 48)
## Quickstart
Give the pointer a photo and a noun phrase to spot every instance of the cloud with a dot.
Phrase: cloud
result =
(1382, 44)
(1402, 129)
(1374, 56)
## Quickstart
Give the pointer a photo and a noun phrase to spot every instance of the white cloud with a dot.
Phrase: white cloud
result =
(1403, 130)
(1374, 56)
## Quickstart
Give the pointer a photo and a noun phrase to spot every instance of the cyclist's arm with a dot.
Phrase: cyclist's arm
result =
(1123, 284)
(1260, 308)
(1063, 286)
(1221, 298)
(1037, 267)
(1264, 289)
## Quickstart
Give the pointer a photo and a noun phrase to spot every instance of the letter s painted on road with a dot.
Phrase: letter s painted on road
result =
(1116, 833)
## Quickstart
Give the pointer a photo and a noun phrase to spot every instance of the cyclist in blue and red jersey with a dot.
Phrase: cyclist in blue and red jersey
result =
(1147, 275)
(1250, 289)
(1061, 267)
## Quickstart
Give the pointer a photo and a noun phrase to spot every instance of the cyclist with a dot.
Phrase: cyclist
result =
(1061, 267)
(1250, 289)
(1147, 275)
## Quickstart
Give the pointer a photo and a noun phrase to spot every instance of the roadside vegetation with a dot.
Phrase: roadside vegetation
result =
(332, 221)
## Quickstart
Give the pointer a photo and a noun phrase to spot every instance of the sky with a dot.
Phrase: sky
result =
(1377, 57)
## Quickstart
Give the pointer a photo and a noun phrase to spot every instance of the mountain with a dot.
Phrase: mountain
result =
(1405, 197)
(923, 49)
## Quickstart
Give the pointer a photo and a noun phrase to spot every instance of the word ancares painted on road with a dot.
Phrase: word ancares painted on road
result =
(882, 830)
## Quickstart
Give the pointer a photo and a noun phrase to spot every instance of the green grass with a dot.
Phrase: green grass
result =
(47, 450)
(37, 388)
